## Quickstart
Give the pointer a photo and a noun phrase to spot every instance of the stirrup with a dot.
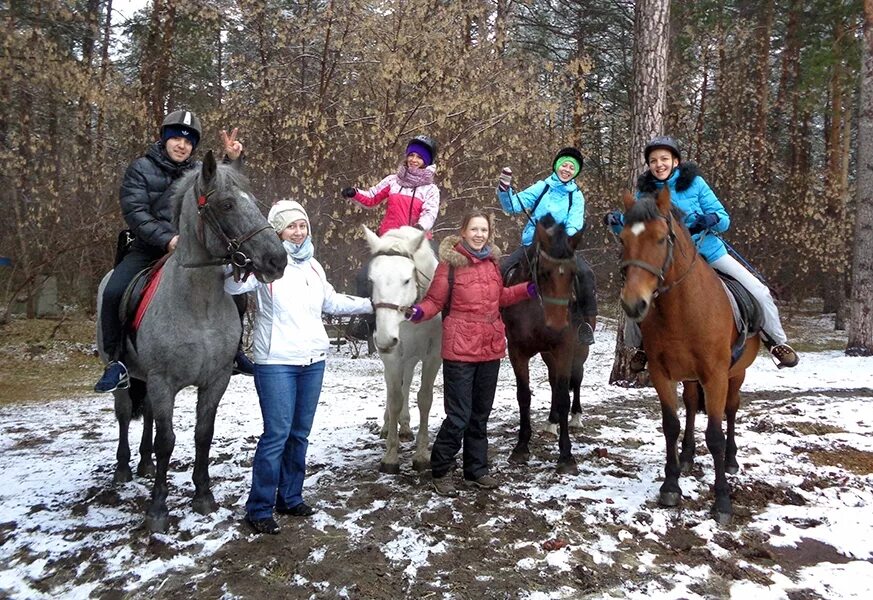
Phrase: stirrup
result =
(638, 361)
(784, 356)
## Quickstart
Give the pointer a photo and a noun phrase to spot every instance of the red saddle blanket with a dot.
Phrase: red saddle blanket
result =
(148, 293)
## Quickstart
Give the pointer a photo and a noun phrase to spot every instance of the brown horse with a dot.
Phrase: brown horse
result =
(688, 331)
(543, 326)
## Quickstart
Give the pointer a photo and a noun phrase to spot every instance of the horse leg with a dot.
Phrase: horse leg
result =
(162, 399)
(139, 398)
(670, 492)
(123, 413)
(207, 405)
(404, 420)
(551, 427)
(579, 357)
(715, 390)
(731, 407)
(521, 368)
(390, 462)
(561, 401)
(691, 393)
(430, 366)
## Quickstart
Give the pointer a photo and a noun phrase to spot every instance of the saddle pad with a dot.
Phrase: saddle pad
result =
(151, 287)
(748, 316)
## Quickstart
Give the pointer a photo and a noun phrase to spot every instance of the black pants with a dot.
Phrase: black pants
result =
(469, 395)
(586, 299)
(133, 262)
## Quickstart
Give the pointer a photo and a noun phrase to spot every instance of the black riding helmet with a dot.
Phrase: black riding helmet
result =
(665, 142)
(568, 152)
(182, 119)
(426, 143)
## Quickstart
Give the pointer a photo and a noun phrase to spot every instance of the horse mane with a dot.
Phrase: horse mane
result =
(646, 209)
(225, 176)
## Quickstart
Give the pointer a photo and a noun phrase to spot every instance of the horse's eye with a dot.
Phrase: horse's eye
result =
(407, 282)
(227, 206)
(662, 241)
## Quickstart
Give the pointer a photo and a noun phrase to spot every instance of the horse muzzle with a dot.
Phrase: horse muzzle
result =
(636, 310)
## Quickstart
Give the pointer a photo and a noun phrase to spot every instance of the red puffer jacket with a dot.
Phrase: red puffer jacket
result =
(405, 205)
(473, 330)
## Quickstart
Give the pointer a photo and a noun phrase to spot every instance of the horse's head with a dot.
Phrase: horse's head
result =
(554, 271)
(648, 240)
(219, 223)
(401, 267)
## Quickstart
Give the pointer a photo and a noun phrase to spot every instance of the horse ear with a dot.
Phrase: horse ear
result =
(209, 168)
(372, 239)
(415, 242)
(628, 200)
(663, 201)
(575, 240)
(541, 235)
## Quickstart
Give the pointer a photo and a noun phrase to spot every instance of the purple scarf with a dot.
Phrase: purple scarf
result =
(412, 178)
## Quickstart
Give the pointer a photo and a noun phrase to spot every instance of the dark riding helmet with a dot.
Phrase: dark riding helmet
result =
(425, 146)
(571, 153)
(665, 142)
(184, 123)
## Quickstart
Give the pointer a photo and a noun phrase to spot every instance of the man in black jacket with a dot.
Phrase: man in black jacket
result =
(147, 209)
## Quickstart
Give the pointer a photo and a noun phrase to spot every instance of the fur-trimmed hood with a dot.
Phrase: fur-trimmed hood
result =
(449, 254)
(648, 184)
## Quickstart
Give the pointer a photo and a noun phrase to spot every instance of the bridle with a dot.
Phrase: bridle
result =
(561, 263)
(419, 276)
(661, 273)
(240, 263)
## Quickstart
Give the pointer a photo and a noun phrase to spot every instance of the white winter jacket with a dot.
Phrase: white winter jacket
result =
(288, 327)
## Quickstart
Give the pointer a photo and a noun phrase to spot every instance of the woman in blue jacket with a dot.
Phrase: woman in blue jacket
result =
(704, 216)
(560, 196)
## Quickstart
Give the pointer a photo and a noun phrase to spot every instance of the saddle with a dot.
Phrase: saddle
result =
(748, 316)
(137, 297)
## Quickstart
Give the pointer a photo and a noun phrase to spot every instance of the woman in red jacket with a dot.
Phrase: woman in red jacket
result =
(474, 341)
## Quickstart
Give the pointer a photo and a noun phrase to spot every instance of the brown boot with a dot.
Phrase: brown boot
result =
(784, 356)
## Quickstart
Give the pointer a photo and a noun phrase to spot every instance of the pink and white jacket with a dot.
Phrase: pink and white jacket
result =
(414, 206)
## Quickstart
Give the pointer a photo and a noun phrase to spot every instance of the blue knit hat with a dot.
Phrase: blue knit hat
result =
(181, 131)
(420, 149)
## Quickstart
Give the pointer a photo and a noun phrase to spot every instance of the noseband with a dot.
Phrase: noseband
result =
(661, 273)
(236, 258)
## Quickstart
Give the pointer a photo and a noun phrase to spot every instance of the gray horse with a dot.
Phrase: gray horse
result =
(189, 334)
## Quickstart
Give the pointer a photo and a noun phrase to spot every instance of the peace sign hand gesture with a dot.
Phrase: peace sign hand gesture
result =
(233, 148)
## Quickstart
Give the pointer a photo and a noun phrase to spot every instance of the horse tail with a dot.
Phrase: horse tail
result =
(137, 393)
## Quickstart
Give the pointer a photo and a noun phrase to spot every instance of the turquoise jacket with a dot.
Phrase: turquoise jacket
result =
(692, 195)
(564, 201)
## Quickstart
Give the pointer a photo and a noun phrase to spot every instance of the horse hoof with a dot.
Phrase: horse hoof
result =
(685, 467)
(158, 523)
(205, 505)
(519, 458)
(669, 499)
(421, 465)
(576, 422)
(722, 518)
(550, 430)
(732, 469)
(122, 475)
(568, 468)
(389, 468)
(146, 469)
(406, 436)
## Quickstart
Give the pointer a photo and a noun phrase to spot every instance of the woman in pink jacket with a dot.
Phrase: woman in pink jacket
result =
(411, 196)
(474, 341)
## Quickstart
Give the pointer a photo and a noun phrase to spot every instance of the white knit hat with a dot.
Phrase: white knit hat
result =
(285, 212)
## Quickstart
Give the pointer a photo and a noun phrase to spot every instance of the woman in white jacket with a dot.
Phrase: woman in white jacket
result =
(290, 347)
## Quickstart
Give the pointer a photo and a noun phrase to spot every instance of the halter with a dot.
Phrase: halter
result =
(419, 275)
(561, 262)
(668, 262)
(236, 258)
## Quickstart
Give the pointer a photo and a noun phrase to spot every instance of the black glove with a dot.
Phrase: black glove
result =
(702, 222)
(612, 219)
(349, 192)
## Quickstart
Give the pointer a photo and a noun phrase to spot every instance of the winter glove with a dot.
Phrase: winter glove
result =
(349, 192)
(612, 219)
(414, 313)
(702, 222)
(532, 289)
(505, 179)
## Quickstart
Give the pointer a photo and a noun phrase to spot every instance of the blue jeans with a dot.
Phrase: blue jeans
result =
(288, 395)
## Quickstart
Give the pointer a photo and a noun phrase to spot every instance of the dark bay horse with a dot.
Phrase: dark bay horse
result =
(688, 331)
(189, 334)
(545, 326)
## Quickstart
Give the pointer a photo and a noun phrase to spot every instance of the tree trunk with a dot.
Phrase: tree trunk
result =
(861, 314)
(651, 42)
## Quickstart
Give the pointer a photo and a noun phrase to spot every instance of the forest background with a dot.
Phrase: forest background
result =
(764, 95)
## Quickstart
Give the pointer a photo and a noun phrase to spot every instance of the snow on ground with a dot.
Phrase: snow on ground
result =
(65, 530)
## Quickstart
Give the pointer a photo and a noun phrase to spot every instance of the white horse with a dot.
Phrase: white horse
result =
(401, 269)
